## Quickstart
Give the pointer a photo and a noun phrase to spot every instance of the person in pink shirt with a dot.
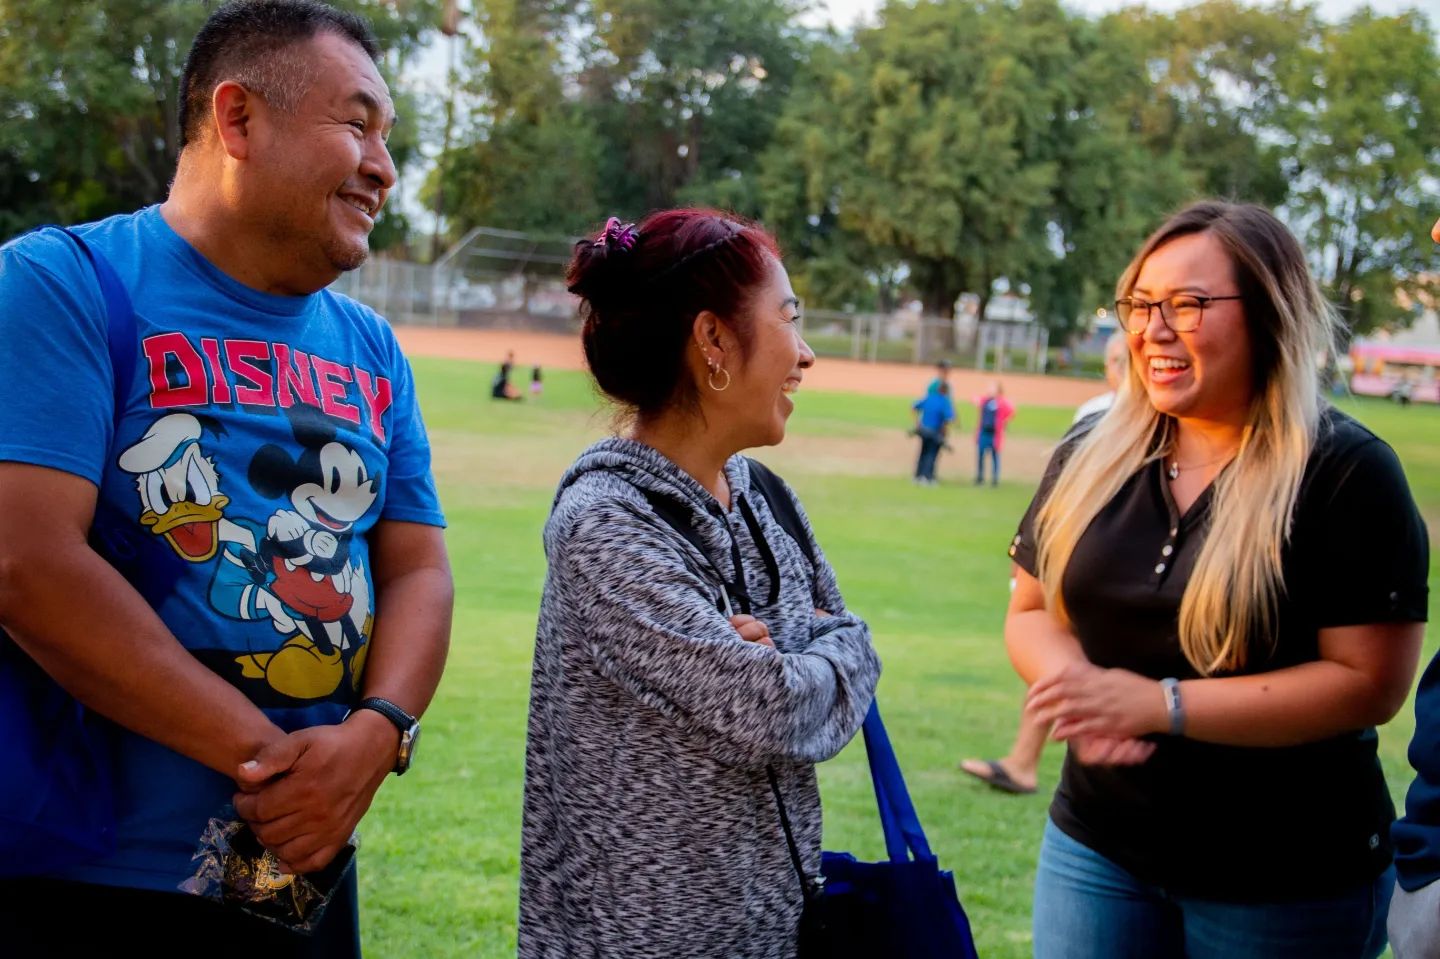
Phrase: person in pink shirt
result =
(994, 412)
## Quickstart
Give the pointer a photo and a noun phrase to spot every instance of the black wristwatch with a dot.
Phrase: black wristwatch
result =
(408, 725)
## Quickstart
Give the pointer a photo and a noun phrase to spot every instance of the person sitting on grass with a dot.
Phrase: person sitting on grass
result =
(501, 387)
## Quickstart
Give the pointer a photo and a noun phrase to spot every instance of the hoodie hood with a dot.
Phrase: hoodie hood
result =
(646, 468)
(680, 503)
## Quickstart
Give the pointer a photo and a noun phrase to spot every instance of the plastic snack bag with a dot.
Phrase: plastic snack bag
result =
(233, 868)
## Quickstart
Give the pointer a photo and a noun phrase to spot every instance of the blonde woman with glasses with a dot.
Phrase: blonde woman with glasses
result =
(1222, 591)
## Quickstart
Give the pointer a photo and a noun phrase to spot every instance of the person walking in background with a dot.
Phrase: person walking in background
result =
(933, 415)
(1018, 771)
(1221, 796)
(537, 385)
(993, 411)
(269, 608)
(1117, 364)
(1414, 923)
(942, 375)
(685, 683)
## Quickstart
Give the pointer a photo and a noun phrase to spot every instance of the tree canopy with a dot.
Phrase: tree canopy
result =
(950, 146)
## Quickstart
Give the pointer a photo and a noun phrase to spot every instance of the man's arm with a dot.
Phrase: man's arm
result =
(87, 627)
(305, 795)
(415, 598)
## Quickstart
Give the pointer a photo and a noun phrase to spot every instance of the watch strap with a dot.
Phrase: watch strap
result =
(402, 720)
(1174, 707)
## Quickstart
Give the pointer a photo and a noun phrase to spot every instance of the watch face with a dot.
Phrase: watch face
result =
(408, 739)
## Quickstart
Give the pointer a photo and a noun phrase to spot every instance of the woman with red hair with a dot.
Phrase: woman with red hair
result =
(693, 659)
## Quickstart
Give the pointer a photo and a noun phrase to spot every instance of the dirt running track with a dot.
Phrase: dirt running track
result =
(881, 379)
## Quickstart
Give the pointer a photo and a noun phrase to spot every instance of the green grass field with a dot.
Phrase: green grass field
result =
(926, 568)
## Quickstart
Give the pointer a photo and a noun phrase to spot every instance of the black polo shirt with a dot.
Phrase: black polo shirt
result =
(1229, 822)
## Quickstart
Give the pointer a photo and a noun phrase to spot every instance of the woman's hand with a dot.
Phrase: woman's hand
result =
(1107, 751)
(1085, 701)
(752, 630)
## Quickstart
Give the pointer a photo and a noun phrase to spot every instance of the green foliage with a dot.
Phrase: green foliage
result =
(686, 94)
(973, 141)
(87, 106)
(523, 156)
(1364, 154)
(955, 145)
(539, 176)
(617, 106)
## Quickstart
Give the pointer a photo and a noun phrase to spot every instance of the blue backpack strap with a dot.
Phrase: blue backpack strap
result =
(120, 321)
(903, 833)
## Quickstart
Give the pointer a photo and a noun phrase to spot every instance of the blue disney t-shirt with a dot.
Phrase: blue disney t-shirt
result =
(263, 437)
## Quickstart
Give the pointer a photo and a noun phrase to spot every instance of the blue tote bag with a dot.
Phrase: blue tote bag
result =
(57, 804)
(904, 907)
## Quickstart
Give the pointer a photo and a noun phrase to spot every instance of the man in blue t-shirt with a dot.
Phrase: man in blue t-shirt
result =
(269, 607)
(933, 415)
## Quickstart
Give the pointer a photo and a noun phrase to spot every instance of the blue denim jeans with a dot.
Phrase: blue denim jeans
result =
(930, 442)
(1087, 907)
(986, 444)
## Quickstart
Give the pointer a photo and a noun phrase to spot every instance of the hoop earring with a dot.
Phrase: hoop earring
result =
(711, 379)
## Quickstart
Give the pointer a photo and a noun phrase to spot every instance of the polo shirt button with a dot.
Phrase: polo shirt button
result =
(1394, 600)
(1017, 539)
(1174, 530)
(1160, 568)
(1167, 550)
(1012, 551)
(1375, 841)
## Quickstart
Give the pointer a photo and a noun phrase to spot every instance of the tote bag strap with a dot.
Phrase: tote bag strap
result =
(904, 836)
(120, 321)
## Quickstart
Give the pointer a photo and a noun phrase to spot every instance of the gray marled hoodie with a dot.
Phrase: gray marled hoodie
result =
(650, 829)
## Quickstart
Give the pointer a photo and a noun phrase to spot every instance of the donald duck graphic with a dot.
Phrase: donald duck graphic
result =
(180, 496)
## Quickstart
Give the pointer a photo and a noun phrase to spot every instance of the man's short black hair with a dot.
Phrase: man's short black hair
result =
(247, 41)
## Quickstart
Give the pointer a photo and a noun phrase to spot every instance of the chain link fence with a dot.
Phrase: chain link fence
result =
(503, 279)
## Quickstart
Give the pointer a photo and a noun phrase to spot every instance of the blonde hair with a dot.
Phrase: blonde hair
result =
(1232, 596)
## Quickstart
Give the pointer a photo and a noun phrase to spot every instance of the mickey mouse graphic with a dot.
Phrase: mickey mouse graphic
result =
(297, 570)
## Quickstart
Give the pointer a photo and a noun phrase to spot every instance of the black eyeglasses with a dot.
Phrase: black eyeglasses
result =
(1181, 313)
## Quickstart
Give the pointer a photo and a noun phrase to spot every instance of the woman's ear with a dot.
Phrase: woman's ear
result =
(714, 339)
